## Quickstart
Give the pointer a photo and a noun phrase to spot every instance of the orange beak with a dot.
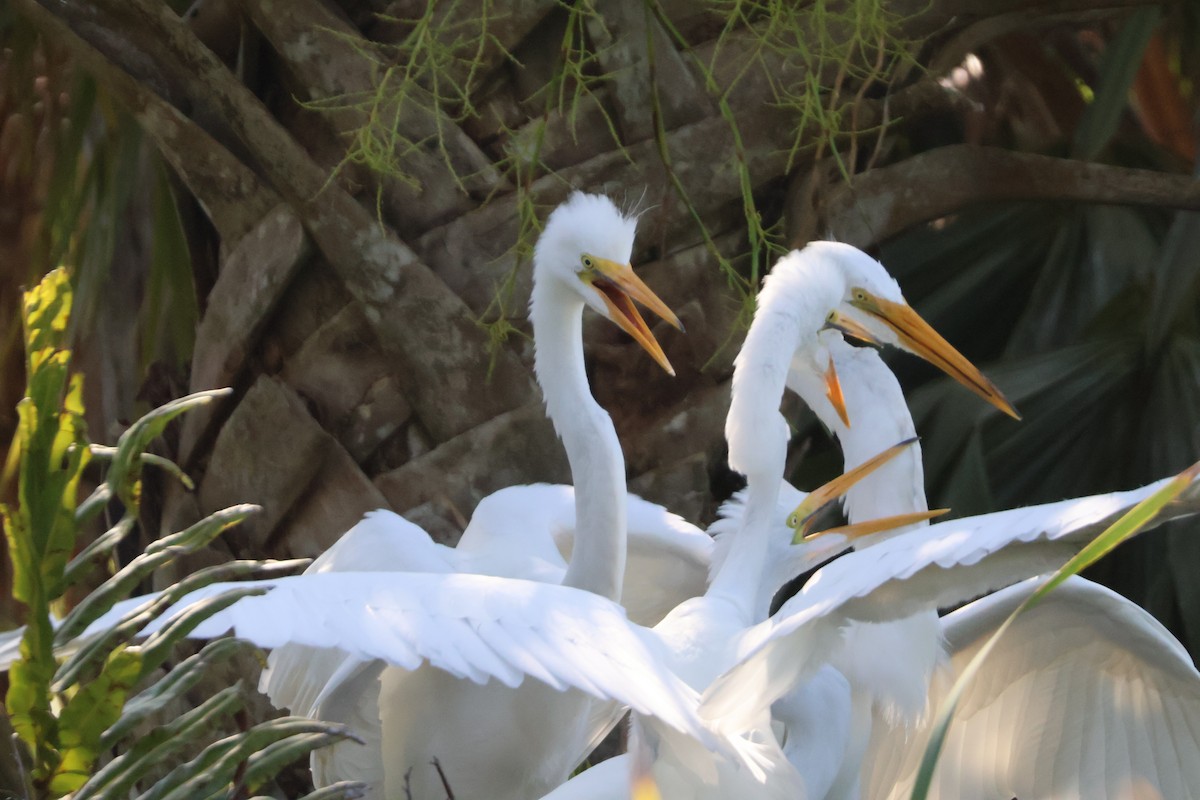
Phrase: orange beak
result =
(804, 517)
(619, 287)
(917, 336)
(860, 529)
(833, 392)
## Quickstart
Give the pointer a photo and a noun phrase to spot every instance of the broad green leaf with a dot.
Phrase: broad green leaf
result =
(125, 471)
(28, 701)
(204, 531)
(89, 712)
(157, 555)
(267, 762)
(40, 530)
(50, 438)
(79, 566)
(139, 617)
(157, 647)
(93, 504)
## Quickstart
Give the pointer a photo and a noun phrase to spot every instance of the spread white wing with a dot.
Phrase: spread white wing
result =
(941, 564)
(474, 627)
(297, 676)
(1085, 696)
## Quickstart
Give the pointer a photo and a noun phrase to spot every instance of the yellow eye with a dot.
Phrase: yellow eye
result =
(587, 262)
(860, 295)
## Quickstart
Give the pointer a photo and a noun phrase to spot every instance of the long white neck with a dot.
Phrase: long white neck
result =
(739, 577)
(597, 466)
(879, 418)
(758, 435)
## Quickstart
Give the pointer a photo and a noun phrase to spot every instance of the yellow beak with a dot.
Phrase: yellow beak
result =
(833, 392)
(851, 328)
(804, 517)
(860, 529)
(917, 336)
(619, 287)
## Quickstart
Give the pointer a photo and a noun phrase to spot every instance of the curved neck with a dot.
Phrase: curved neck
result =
(874, 397)
(758, 437)
(739, 578)
(597, 466)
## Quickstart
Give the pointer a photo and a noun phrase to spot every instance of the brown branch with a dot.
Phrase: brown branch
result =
(619, 34)
(327, 56)
(883, 202)
(517, 447)
(231, 193)
(417, 319)
(472, 253)
(509, 22)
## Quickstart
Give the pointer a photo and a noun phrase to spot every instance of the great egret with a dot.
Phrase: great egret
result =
(409, 718)
(862, 703)
(702, 637)
(942, 564)
(484, 627)
(480, 627)
(844, 723)
(829, 720)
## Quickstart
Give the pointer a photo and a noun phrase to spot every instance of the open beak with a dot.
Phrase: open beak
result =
(833, 391)
(861, 529)
(804, 517)
(619, 287)
(917, 336)
(851, 328)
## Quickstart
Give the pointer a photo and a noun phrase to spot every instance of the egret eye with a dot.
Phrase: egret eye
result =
(860, 295)
(588, 263)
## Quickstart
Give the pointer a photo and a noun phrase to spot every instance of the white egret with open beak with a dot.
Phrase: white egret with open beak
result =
(411, 718)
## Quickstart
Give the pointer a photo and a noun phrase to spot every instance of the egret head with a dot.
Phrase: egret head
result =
(873, 300)
(585, 247)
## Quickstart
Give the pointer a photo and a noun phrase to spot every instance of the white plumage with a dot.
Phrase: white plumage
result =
(409, 714)
(389, 620)
(706, 635)
(1087, 696)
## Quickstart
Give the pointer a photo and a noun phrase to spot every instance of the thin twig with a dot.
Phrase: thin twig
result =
(442, 775)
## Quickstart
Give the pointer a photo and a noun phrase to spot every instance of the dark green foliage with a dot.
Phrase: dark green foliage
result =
(69, 714)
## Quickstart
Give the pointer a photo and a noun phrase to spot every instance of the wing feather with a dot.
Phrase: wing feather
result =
(939, 564)
(382, 541)
(472, 626)
(1089, 695)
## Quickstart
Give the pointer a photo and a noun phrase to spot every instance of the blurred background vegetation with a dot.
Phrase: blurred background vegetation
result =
(329, 206)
